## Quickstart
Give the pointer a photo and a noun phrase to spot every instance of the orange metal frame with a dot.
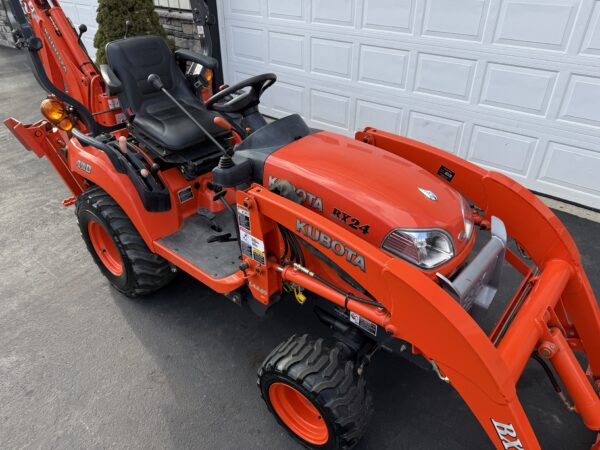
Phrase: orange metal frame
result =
(554, 312)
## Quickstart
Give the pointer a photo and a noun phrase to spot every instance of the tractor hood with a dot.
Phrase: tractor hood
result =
(366, 189)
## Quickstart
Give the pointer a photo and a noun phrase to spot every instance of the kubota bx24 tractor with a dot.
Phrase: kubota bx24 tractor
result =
(377, 233)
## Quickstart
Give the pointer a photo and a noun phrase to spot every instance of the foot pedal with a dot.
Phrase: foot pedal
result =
(225, 237)
(211, 218)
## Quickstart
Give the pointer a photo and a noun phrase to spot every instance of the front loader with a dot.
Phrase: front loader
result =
(376, 234)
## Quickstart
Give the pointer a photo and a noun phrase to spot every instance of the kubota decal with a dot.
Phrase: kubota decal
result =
(508, 435)
(336, 247)
(347, 219)
(312, 201)
(58, 56)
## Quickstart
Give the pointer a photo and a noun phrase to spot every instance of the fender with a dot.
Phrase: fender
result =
(94, 165)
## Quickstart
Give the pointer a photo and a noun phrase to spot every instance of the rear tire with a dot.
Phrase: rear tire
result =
(117, 247)
(315, 394)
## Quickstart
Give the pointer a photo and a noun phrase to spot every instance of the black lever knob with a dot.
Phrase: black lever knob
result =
(82, 29)
(128, 27)
(155, 81)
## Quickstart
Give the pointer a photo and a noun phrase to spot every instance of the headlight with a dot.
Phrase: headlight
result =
(467, 214)
(425, 248)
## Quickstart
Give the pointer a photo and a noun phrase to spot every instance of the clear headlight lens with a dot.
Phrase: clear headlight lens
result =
(467, 214)
(425, 248)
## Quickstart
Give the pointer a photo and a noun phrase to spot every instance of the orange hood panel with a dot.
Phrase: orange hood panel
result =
(365, 188)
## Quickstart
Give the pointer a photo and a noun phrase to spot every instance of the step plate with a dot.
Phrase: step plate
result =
(218, 259)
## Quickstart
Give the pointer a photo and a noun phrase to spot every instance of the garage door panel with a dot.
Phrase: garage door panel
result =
(469, 78)
(384, 117)
(457, 81)
(441, 132)
(591, 41)
(287, 50)
(334, 12)
(458, 19)
(572, 167)
(331, 109)
(582, 101)
(331, 57)
(287, 9)
(388, 15)
(287, 98)
(245, 7)
(551, 28)
(518, 88)
(501, 150)
(247, 43)
(383, 66)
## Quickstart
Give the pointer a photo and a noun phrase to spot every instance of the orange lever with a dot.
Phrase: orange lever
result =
(219, 121)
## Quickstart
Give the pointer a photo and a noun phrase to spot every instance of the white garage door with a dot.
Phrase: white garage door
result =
(512, 85)
(83, 11)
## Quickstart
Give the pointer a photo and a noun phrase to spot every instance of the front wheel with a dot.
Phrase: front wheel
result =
(117, 247)
(315, 394)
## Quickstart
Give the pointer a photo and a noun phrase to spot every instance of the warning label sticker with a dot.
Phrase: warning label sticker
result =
(363, 323)
(258, 255)
(252, 247)
(244, 219)
(113, 103)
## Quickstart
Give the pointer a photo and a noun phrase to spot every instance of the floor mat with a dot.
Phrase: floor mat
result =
(218, 259)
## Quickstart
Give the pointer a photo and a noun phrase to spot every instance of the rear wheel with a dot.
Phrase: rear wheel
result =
(117, 247)
(315, 393)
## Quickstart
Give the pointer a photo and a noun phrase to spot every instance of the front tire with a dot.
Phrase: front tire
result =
(117, 247)
(315, 394)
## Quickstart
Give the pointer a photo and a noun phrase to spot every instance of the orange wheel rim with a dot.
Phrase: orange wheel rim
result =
(105, 248)
(298, 413)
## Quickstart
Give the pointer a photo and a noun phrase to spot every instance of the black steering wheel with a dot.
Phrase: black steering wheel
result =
(249, 99)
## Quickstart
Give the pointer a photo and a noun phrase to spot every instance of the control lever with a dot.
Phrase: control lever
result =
(128, 28)
(235, 131)
(220, 195)
(82, 29)
(155, 81)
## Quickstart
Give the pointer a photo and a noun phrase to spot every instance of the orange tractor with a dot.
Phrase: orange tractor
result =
(376, 233)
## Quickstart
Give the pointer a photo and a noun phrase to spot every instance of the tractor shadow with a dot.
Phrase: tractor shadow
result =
(209, 351)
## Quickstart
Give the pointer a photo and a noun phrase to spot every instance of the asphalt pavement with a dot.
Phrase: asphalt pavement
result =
(83, 367)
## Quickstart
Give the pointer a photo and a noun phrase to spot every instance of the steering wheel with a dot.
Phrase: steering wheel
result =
(249, 99)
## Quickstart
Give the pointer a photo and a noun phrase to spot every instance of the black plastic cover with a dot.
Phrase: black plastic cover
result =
(113, 84)
(262, 143)
(152, 190)
(240, 173)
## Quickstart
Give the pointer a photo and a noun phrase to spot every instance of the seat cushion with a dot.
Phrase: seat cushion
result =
(151, 111)
(170, 127)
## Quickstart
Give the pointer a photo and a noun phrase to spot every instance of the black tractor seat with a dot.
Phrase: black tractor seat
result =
(150, 112)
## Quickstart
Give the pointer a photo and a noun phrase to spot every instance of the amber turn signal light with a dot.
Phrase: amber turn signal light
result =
(207, 74)
(65, 124)
(53, 110)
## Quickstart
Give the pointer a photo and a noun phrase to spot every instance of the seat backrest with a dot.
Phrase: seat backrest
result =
(133, 59)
